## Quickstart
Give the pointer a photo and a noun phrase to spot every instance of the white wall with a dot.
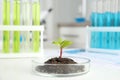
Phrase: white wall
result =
(66, 10)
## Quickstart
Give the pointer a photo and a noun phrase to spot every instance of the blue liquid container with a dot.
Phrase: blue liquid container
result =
(100, 34)
(119, 18)
(117, 34)
(112, 42)
(94, 23)
(108, 18)
(116, 19)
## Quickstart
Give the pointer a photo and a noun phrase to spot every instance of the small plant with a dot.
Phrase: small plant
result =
(62, 44)
(58, 64)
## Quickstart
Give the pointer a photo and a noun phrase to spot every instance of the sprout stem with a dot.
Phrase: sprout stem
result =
(60, 52)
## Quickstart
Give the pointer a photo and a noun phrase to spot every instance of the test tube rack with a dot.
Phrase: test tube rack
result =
(89, 30)
(23, 54)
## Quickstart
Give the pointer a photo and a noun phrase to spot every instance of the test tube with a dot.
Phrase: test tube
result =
(100, 11)
(112, 34)
(36, 22)
(104, 34)
(6, 21)
(93, 18)
(115, 39)
(108, 22)
(118, 33)
(26, 20)
(100, 24)
(94, 15)
(16, 21)
(119, 11)
(108, 14)
(116, 13)
(1, 33)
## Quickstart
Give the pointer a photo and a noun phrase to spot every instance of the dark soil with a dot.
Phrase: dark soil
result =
(60, 61)
(58, 68)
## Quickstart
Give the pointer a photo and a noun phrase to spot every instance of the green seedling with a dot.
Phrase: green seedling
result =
(62, 44)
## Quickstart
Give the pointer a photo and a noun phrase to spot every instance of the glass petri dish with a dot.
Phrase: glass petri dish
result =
(61, 70)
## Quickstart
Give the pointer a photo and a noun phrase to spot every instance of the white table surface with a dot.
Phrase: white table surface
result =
(21, 69)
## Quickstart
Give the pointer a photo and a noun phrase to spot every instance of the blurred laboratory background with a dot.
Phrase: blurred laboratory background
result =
(67, 19)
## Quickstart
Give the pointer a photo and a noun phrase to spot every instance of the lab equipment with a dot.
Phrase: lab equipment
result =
(16, 16)
(25, 42)
(36, 22)
(44, 14)
(105, 16)
(94, 23)
(6, 21)
(16, 19)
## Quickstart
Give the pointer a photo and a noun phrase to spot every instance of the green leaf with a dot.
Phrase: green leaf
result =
(56, 43)
(66, 43)
(62, 43)
(59, 40)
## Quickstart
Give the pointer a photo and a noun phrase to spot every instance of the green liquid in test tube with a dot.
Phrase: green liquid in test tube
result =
(16, 19)
(36, 21)
(6, 21)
